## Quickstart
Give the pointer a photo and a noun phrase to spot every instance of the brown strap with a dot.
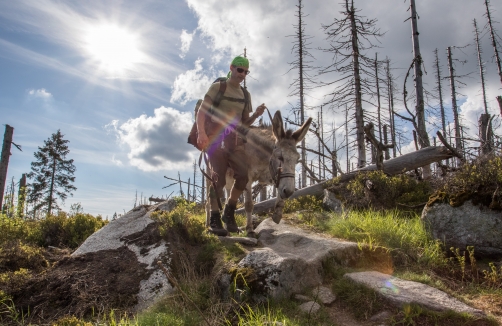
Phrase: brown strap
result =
(203, 154)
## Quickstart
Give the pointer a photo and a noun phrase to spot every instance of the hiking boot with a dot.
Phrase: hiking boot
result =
(229, 218)
(215, 225)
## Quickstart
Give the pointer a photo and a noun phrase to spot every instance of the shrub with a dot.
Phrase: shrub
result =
(16, 254)
(375, 189)
(480, 181)
(310, 203)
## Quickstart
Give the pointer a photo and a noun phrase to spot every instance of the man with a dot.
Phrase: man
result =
(223, 143)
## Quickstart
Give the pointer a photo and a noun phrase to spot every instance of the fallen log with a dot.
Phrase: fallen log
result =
(401, 164)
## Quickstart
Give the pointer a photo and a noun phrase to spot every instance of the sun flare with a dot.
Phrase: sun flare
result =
(113, 47)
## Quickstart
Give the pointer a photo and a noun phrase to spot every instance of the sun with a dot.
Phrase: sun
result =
(113, 47)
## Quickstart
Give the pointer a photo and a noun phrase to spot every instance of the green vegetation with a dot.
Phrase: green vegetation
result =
(390, 229)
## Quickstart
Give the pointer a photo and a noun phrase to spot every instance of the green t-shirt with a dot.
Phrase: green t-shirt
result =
(229, 111)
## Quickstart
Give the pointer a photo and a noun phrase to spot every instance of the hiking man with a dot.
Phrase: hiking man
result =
(218, 134)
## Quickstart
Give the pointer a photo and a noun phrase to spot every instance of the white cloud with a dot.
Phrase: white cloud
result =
(157, 142)
(117, 162)
(40, 93)
(186, 41)
(190, 85)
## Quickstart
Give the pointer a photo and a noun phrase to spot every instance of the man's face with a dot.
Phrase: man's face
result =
(239, 73)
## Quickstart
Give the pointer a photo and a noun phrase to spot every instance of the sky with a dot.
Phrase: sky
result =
(120, 79)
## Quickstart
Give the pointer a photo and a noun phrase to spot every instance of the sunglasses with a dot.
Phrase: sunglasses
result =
(240, 71)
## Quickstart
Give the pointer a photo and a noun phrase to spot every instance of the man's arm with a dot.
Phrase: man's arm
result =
(248, 120)
(202, 139)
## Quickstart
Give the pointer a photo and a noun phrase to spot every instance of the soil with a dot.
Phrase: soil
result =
(82, 286)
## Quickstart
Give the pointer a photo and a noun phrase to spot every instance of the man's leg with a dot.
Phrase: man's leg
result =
(218, 163)
(237, 162)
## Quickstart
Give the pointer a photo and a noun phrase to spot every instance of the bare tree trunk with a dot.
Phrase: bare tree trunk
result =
(481, 67)
(499, 99)
(484, 134)
(494, 43)
(361, 146)
(347, 137)
(21, 195)
(319, 144)
(379, 107)
(440, 93)
(4, 162)
(390, 90)
(423, 137)
(385, 141)
(458, 137)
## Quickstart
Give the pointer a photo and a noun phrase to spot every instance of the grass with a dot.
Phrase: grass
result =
(414, 254)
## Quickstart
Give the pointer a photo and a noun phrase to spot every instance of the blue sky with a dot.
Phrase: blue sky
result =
(120, 78)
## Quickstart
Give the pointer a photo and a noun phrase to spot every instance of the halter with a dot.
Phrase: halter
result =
(277, 173)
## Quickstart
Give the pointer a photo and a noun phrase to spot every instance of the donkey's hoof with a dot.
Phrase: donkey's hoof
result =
(276, 218)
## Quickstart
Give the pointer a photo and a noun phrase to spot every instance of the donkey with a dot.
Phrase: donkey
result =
(271, 155)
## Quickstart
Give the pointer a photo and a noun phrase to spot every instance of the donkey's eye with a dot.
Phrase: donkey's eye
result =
(281, 158)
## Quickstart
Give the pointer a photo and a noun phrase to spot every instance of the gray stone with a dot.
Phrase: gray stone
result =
(400, 292)
(291, 258)
(324, 295)
(310, 307)
(331, 203)
(467, 225)
(242, 240)
(381, 316)
(302, 298)
(124, 231)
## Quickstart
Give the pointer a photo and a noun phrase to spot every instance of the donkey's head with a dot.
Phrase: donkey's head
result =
(285, 155)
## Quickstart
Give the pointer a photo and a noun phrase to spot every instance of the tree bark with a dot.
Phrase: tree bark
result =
(4, 162)
(401, 164)
(458, 137)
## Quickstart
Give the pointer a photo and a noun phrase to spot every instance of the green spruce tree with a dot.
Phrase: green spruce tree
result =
(52, 175)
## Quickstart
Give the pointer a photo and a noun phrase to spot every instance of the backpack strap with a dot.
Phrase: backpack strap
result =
(219, 95)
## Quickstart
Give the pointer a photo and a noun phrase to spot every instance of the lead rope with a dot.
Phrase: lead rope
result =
(203, 154)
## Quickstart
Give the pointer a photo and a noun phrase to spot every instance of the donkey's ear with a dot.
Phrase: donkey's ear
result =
(300, 133)
(277, 126)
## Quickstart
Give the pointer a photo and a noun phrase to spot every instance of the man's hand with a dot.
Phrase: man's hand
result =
(259, 110)
(202, 140)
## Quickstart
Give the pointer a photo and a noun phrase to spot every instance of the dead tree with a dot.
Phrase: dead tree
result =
(390, 96)
(423, 138)
(304, 82)
(484, 129)
(493, 37)
(349, 37)
(4, 162)
(379, 147)
(456, 122)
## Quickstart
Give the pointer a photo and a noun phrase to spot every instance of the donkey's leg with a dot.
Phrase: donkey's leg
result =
(279, 205)
(249, 205)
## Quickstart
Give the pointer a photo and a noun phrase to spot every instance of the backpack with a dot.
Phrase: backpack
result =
(192, 137)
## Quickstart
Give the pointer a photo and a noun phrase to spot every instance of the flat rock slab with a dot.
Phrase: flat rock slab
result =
(400, 292)
(242, 240)
(291, 259)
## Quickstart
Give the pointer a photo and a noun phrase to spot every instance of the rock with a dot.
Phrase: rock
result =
(301, 297)
(331, 203)
(381, 316)
(324, 295)
(137, 232)
(242, 240)
(400, 292)
(466, 225)
(291, 258)
(310, 307)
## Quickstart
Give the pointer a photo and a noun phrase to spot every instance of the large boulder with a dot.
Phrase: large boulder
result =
(466, 225)
(291, 258)
(138, 234)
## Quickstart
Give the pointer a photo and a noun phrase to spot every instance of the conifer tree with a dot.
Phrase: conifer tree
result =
(52, 175)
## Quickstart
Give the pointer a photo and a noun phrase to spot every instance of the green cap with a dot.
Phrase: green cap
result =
(240, 62)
